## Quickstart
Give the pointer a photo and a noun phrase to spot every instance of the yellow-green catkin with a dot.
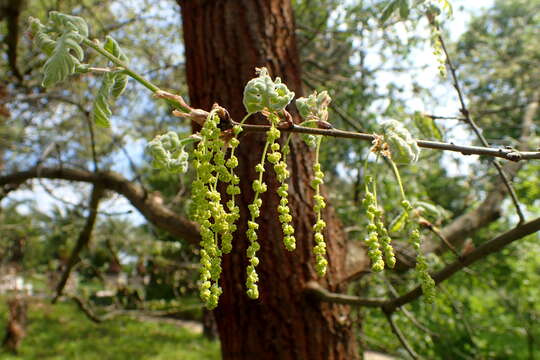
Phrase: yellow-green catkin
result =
(385, 241)
(319, 249)
(259, 187)
(233, 189)
(372, 239)
(278, 159)
(426, 281)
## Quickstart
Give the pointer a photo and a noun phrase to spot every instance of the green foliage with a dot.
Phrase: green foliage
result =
(427, 126)
(59, 39)
(314, 107)
(112, 86)
(403, 7)
(101, 112)
(314, 111)
(120, 79)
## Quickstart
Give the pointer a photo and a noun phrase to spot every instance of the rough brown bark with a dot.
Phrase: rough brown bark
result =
(225, 41)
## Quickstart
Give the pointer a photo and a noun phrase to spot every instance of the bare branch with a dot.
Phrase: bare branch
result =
(389, 306)
(476, 128)
(503, 153)
(315, 291)
(479, 253)
(149, 205)
(82, 241)
(86, 309)
(399, 335)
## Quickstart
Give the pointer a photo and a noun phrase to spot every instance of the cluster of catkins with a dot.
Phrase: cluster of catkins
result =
(217, 218)
(61, 38)
(270, 97)
(433, 11)
(398, 146)
(217, 222)
(377, 238)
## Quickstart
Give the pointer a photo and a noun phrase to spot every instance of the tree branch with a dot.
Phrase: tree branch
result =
(316, 291)
(503, 153)
(489, 210)
(149, 205)
(468, 119)
(82, 241)
(400, 336)
(479, 253)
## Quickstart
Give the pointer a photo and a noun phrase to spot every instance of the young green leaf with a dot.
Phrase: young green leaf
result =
(404, 9)
(62, 63)
(263, 93)
(101, 112)
(388, 10)
(399, 222)
(42, 40)
(427, 126)
(403, 148)
(120, 79)
(68, 23)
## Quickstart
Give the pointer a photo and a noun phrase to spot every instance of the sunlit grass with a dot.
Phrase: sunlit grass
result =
(62, 332)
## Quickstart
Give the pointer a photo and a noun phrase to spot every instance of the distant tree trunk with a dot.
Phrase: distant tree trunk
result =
(209, 325)
(224, 42)
(4, 115)
(15, 329)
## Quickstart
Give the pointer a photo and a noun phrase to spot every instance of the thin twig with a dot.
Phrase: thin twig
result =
(407, 314)
(92, 140)
(436, 117)
(86, 309)
(476, 129)
(401, 338)
(440, 235)
(503, 153)
(314, 290)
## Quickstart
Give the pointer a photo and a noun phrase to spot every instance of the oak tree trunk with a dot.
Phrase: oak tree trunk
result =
(225, 40)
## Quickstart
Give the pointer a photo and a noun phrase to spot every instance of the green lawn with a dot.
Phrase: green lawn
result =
(63, 332)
